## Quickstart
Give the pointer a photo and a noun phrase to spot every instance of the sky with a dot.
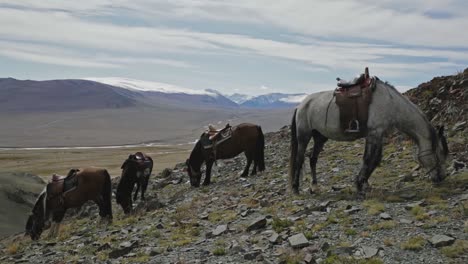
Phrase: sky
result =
(242, 46)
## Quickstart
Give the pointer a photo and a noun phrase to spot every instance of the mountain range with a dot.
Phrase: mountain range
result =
(116, 111)
(104, 93)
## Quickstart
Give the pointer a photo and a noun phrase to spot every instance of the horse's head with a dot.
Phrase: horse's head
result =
(434, 160)
(37, 221)
(194, 175)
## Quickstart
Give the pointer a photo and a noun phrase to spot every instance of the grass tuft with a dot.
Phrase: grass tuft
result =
(414, 243)
(458, 248)
(374, 207)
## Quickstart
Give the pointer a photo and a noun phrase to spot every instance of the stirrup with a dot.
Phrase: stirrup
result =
(353, 127)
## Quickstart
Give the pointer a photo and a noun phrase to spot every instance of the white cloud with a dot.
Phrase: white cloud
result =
(293, 98)
(316, 35)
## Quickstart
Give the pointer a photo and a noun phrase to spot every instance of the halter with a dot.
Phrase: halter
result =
(430, 152)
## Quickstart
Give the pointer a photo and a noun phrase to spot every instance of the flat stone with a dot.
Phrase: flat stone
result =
(412, 205)
(405, 221)
(251, 255)
(125, 244)
(385, 216)
(341, 251)
(441, 241)
(258, 223)
(369, 252)
(338, 187)
(298, 241)
(219, 230)
(352, 210)
(273, 238)
(464, 197)
(308, 258)
(408, 196)
(119, 253)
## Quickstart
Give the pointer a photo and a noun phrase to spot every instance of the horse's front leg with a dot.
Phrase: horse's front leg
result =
(245, 173)
(144, 186)
(135, 195)
(371, 159)
(209, 165)
(56, 220)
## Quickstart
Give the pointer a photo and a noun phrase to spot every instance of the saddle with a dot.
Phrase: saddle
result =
(59, 185)
(218, 137)
(353, 99)
(143, 162)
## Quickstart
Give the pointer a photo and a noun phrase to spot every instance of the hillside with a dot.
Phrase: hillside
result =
(59, 96)
(209, 224)
(404, 219)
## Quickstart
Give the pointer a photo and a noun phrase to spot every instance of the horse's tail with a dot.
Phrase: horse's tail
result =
(107, 194)
(293, 156)
(260, 149)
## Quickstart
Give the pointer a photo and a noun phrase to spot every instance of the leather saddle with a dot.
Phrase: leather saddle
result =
(353, 99)
(59, 185)
(141, 159)
(218, 137)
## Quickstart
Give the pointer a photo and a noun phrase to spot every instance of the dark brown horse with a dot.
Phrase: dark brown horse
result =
(80, 186)
(247, 138)
(136, 169)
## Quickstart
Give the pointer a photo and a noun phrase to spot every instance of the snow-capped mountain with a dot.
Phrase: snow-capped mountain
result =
(239, 98)
(274, 100)
(163, 93)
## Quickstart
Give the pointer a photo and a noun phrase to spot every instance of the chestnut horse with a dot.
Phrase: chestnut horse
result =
(91, 184)
(245, 137)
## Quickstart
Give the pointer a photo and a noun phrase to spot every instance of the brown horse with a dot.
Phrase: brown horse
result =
(137, 169)
(80, 186)
(247, 138)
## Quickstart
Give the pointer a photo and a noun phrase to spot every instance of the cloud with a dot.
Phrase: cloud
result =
(395, 38)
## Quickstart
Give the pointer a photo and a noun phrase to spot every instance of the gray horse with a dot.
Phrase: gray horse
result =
(318, 117)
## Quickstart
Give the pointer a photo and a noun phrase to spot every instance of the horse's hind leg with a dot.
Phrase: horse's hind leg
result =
(319, 141)
(372, 157)
(303, 140)
(249, 157)
(255, 164)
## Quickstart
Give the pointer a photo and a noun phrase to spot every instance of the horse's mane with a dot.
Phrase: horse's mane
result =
(196, 152)
(432, 131)
(41, 200)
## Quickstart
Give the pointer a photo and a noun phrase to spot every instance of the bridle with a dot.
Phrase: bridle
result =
(429, 152)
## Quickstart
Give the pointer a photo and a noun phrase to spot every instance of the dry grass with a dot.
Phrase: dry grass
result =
(374, 207)
(458, 248)
(13, 248)
(390, 224)
(414, 243)
(46, 162)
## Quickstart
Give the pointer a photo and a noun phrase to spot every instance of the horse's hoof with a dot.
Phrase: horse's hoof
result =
(206, 184)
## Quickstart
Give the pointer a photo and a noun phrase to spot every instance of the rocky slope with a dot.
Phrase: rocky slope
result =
(404, 219)
(255, 219)
(445, 101)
